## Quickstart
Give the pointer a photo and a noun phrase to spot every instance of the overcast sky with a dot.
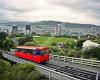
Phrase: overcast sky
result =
(75, 11)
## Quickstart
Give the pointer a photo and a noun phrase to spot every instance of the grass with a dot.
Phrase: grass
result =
(47, 41)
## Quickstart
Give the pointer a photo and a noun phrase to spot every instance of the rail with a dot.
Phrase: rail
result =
(49, 72)
(88, 62)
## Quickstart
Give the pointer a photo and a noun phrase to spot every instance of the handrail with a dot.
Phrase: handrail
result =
(89, 62)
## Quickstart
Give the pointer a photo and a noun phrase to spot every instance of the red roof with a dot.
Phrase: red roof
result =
(32, 47)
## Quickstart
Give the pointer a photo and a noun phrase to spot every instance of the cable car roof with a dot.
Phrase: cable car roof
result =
(32, 47)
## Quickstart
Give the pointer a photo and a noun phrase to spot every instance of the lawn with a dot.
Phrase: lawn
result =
(47, 41)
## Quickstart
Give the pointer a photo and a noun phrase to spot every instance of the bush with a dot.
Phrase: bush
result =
(74, 53)
(30, 44)
(53, 44)
(8, 44)
(21, 41)
(92, 53)
(18, 71)
(80, 43)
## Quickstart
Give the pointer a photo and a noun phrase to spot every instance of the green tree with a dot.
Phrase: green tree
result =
(22, 41)
(80, 43)
(74, 53)
(3, 36)
(24, 71)
(4, 66)
(92, 53)
(8, 44)
(53, 44)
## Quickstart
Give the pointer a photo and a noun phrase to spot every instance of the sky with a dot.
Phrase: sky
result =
(74, 11)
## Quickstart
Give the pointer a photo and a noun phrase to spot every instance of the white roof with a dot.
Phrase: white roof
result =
(90, 44)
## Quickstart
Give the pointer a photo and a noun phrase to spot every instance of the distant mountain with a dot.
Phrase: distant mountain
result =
(66, 24)
(19, 23)
(52, 24)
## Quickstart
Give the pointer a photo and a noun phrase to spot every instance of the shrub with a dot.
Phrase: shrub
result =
(24, 71)
(92, 53)
(30, 44)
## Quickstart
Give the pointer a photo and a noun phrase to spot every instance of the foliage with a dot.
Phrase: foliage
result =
(30, 44)
(18, 71)
(4, 63)
(1, 55)
(47, 41)
(23, 40)
(97, 40)
(92, 53)
(3, 36)
(29, 38)
(19, 35)
(80, 43)
(4, 66)
(5, 42)
(8, 44)
(74, 53)
(54, 44)
(71, 44)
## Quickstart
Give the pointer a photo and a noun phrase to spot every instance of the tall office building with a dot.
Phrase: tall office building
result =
(28, 28)
(57, 30)
(15, 30)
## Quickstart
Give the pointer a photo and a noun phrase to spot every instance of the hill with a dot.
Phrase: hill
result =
(52, 24)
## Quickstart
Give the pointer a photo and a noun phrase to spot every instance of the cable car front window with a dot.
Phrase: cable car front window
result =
(30, 51)
(46, 51)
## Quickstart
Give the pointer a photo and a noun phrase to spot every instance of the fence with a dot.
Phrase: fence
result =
(89, 62)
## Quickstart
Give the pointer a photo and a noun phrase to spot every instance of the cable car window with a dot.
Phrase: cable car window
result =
(44, 52)
(38, 52)
(24, 51)
(34, 51)
(30, 51)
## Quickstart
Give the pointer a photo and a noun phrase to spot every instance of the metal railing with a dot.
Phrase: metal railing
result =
(88, 62)
(49, 72)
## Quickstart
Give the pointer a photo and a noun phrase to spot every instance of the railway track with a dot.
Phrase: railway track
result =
(74, 72)
(71, 71)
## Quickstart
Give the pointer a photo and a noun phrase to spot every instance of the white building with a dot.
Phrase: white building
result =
(89, 44)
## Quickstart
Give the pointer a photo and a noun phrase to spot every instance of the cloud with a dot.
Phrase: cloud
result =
(89, 6)
(19, 5)
(78, 11)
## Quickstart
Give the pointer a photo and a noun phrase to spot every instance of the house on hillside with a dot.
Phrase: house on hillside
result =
(89, 44)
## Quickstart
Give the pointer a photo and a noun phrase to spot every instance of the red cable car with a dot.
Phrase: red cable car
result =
(35, 54)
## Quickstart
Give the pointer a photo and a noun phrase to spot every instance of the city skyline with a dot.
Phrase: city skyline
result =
(75, 11)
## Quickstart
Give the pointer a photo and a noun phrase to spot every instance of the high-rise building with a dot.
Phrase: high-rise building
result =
(15, 30)
(57, 30)
(28, 28)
